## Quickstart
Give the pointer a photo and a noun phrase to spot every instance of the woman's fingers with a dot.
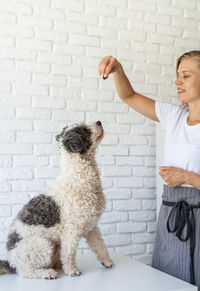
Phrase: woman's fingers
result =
(103, 64)
(111, 66)
(107, 66)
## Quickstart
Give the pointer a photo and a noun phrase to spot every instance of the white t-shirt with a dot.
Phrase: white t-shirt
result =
(182, 142)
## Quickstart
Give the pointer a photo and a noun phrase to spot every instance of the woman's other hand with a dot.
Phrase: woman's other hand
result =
(107, 66)
(173, 176)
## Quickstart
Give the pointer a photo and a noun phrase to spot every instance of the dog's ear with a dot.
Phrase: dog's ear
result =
(75, 143)
(58, 137)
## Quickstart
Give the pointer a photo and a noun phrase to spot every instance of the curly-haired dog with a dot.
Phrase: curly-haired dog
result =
(46, 232)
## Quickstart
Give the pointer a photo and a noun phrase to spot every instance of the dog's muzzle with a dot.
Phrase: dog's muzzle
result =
(98, 123)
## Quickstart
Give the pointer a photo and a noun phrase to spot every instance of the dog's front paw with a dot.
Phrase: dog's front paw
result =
(50, 274)
(73, 273)
(108, 263)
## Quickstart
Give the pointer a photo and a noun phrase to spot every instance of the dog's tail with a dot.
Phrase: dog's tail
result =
(5, 268)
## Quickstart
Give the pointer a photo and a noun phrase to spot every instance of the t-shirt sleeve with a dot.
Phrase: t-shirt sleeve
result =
(163, 112)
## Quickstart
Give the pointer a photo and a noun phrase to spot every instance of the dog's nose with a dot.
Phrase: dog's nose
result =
(98, 123)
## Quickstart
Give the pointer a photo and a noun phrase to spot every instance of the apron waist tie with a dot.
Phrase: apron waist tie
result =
(181, 216)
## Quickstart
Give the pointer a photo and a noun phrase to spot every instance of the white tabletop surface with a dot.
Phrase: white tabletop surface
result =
(128, 275)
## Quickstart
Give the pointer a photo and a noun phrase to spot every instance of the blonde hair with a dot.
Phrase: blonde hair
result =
(188, 55)
(192, 54)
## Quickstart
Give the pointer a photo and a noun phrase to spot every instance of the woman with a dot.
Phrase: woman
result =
(177, 246)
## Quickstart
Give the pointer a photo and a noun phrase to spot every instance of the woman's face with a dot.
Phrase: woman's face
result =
(188, 81)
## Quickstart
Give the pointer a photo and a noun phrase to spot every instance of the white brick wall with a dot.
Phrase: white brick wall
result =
(49, 52)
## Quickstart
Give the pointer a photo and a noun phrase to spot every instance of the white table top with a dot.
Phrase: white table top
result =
(128, 275)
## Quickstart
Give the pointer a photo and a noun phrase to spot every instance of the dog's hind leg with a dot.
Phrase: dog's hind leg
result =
(57, 264)
(33, 258)
(97, 245)
(38, 273)
(69, 245)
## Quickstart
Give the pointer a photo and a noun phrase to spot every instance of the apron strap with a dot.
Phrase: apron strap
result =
(181, 216)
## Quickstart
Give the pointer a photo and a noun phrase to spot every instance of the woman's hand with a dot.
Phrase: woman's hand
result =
(173, 176)
(107, 66)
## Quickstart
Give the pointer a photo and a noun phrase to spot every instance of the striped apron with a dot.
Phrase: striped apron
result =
(177, 245)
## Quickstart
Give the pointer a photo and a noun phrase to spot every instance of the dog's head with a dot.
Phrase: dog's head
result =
(81, 138)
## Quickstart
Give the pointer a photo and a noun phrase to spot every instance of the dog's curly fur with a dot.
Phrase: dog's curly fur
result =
(46, 232)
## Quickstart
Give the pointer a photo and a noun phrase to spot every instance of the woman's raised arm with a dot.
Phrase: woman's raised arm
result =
(138, 102)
